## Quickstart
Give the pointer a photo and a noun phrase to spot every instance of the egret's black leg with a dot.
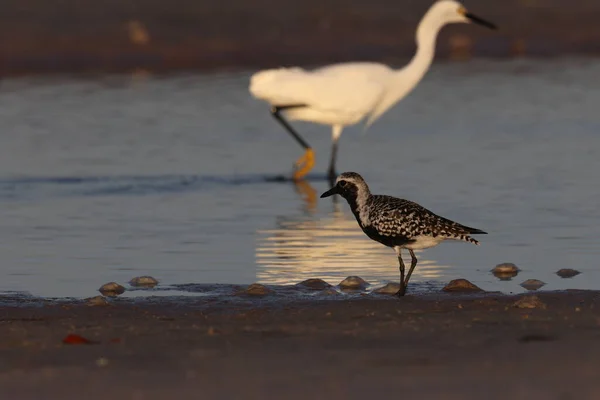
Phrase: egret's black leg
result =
(336, 132)
(276, 112)
(307, 160)
(331, 174)
(402, 290)
(413, 264)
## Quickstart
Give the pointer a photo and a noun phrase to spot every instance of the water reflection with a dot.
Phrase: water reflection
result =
(329, 247)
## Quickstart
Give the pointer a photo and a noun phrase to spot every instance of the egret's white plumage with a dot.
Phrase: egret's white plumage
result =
(344, 94)
(325, 91)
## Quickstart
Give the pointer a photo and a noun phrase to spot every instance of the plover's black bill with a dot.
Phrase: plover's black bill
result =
(477, 20)
(330, 192)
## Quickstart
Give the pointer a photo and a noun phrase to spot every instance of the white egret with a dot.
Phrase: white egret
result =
(343, 94)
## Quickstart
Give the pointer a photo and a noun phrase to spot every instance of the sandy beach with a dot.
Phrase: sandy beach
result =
(436, 346)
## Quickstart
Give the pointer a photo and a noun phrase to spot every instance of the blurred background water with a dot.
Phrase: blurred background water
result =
(109, 177)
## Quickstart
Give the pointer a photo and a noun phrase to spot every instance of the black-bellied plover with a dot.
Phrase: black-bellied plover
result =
(397, 223)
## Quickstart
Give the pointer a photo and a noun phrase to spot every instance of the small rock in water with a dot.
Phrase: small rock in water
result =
(505, 271)
(143, 281)
(529, 302)
(315, 284)
(256, 289)
(505, 268)
(461, 285)
(112, 289)
(390, 288)
(532, 284)
(567, 273)
(353, 282)
(97, 301)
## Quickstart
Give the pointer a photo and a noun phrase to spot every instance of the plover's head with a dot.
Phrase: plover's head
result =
(348, 185)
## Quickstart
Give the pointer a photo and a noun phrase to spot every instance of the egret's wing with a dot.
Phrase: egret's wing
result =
(340, 89)
(265, 85)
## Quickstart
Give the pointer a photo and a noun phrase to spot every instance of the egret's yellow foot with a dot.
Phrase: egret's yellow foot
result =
(304, 164)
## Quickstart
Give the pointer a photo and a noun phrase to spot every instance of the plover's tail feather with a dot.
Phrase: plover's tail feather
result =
(474, 231)
(471, 240)
(466, 231)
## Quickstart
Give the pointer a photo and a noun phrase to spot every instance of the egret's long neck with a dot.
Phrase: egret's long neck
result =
(404, 80)
(427, 33)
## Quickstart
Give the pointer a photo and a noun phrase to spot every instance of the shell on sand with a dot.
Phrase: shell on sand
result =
(315, 284)
(461, 285)
(529, 302)
(567, 273)
(390, 288)
(111, 289)
(143, 281)
(256, 289)
(353, 282)
(505, 271)
(532, 284)
(505, 268)
(97, 301)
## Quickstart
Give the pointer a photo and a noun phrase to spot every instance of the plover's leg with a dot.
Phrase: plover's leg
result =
(413, 264)
(402, 290)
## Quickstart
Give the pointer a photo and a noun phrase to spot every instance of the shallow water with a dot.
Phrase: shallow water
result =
(109, 178)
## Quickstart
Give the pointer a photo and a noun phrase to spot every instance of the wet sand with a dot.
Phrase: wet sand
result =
(427, 346)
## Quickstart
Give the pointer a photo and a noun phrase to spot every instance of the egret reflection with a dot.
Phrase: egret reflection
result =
(328, 245)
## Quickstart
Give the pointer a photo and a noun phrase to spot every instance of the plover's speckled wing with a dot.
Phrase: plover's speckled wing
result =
(391, 216)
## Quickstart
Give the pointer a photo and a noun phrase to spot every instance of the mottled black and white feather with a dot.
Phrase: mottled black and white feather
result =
(394, 217)
(397, 222)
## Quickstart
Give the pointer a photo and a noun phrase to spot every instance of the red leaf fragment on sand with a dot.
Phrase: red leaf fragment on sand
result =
(76, 339)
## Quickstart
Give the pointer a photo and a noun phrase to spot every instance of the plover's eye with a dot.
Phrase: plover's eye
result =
(342, 183)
